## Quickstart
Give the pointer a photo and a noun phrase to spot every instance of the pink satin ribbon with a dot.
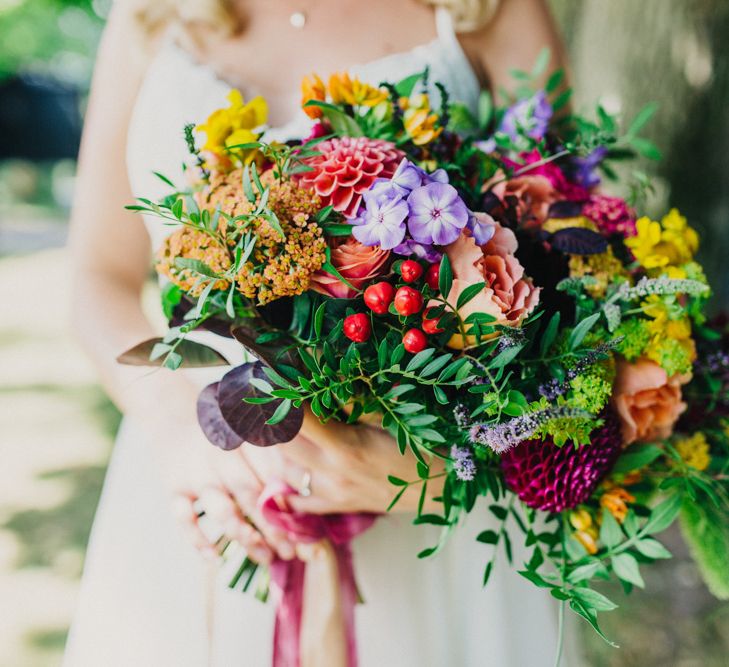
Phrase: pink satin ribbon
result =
(287, 577)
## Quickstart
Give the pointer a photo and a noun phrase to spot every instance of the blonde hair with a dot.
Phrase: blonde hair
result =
(468, 15)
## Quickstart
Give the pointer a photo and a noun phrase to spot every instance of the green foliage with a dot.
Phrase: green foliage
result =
(705, 529)
(31, 37)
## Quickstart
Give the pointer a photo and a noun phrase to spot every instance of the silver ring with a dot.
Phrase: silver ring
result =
(305, 487)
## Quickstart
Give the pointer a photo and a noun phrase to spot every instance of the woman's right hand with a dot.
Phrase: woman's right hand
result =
(219, 499)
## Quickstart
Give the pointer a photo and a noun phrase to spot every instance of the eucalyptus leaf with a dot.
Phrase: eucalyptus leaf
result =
(194, 355)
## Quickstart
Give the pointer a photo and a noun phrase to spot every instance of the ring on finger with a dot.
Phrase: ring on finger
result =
(305, 486)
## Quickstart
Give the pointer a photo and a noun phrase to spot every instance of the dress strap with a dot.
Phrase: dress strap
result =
(446, 30)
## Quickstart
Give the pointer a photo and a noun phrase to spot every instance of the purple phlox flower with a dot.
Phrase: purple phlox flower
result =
(425, 251)
(482, 227)
(437, 214)
(408, 176)
(463, 464)
(583, 169)
(529, 116)
(382, 221)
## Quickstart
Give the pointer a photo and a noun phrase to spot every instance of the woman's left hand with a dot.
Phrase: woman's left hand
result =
(346, 467)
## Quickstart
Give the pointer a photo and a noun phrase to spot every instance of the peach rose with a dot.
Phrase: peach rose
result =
(509, 296)
(534, 195)
(356, 262)
(648, 402)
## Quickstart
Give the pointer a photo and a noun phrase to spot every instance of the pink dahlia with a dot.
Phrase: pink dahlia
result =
(611, 214)
(346, 167)
(553, 479)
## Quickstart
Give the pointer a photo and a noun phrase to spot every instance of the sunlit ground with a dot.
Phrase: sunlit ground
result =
(56, 430)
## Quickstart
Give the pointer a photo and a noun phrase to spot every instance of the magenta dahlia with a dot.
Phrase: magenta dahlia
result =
(345, 167)
(553, 479)
(611, 214)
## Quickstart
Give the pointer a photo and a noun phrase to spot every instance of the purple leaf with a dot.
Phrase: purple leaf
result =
(211, 421)
(565, 209)
(579, 241)
(249, 420)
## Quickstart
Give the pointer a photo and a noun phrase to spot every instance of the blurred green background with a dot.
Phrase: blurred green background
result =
(56, 424)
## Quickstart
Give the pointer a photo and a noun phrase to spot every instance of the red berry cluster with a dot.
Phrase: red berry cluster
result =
(406, 301)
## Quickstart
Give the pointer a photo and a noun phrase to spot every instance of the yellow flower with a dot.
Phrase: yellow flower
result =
(670, 242)
(616, 500)
(603, 267)
(312, 89)
(553, 225)
(233, 125)
(344, 90)
(670, 329)
(420, 122)
(585, 530)
(694, 450)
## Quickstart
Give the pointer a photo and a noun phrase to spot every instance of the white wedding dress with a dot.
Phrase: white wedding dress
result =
(143, 599)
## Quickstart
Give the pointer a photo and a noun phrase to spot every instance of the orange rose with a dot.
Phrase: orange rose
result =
(356, 262)
(534, 195)
(647, 400)
(508, 295)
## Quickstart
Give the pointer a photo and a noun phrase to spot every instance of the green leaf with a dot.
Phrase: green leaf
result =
(637, 456)
(588, 614)
(419, 359)
(488, 537)
(664, 514)
(641, 118)
(542, 61)
(554, 80)
(610, 533)
(342, 124)
(536, 579)
(505, 357)
(405, 87)
(177, 209)
(468, 294)
(646, 148)
(593, 599)
(193, 355)
(485, 109)
(164, 179)
(170, 296)
(195, 265)
(581, 330)
(652, 548)
(435, 365)
(396, 480)
(281, 412)
(550, 333)
(561, 100)
(706, 531)
(445, 277)
(319, 319)
(247, 187)
(626, 568)
(584, 572)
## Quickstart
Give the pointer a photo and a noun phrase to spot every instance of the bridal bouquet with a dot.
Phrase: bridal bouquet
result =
(459, 276)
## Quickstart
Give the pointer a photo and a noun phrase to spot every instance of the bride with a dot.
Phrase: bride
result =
(148, 597)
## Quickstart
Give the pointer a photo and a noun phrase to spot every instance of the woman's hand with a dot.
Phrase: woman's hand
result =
(348, 468)
(224, 487)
